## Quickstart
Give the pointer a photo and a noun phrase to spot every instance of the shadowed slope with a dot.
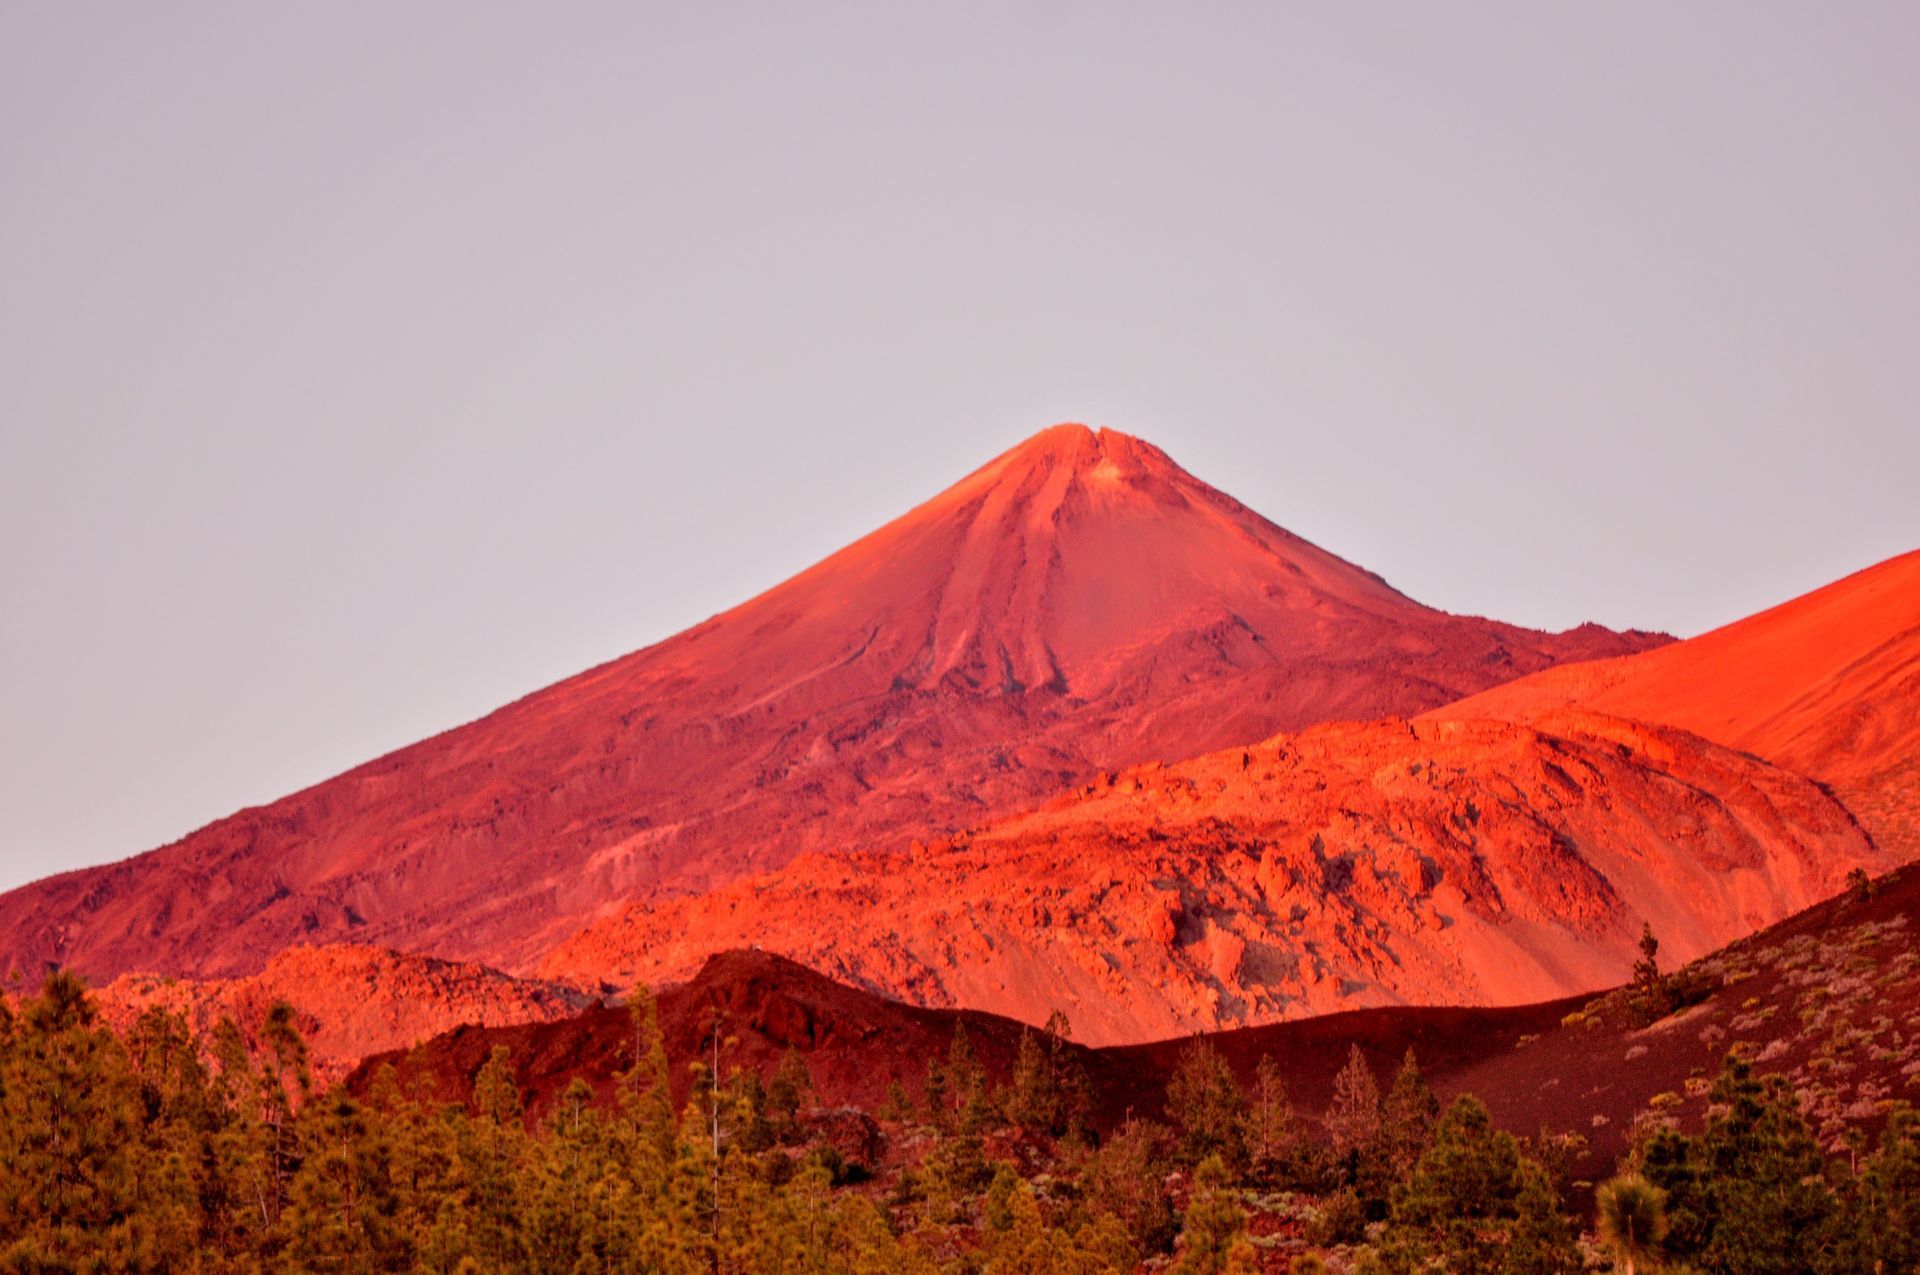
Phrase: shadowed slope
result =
(856, 1043)
(1077, 604)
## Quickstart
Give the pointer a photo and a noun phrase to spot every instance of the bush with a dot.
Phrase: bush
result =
(1341, 1219)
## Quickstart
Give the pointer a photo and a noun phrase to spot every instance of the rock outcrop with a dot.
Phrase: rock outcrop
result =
(349, 1001)
(1391, 863)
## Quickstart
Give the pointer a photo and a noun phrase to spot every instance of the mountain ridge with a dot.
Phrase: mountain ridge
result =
(1826, 684)
(1344, 866)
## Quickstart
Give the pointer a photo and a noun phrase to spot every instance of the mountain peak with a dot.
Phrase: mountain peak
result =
(1071, 465)
(1099, 453)
(1077, 604)
(1065, 434)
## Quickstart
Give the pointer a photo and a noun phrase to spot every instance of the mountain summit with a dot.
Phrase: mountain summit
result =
(1056, 565)
(1077, 604)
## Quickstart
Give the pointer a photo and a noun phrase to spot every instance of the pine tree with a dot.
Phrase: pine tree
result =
(896, 1105)
(1353, 1117)
(1213, 1234)
(496, 1098)
(1340, 1219)
(341, 1207)
(244, 1146)
(286, 1050)
(1770, 1203)
(264, 1151)
(1462, 1190)
(1888, 1217)
(935, 1097)
(955, 1170)
(1274, 1134)
(1539, 1241)
(1032, 1102)
(788, 1094)
(705, 1124)
(1206, 1105)
(645, 1090)
(966, 1085)
(424, 1171)
(864, 1244)
(1749, 1192)
(1651, 995)
(1860, 886)
(598, 1194)
(1072, 1098)
(184, 1204)
(756, 1132)
(1408, 1116)
(69, 1162)
(491, 1146)
(1025, 1242)
(997, 1215)
(1127, 1178)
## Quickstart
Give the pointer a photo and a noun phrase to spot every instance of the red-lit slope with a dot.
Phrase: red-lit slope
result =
(1827, 685)
(1078, 603)
(1462, 863)
(350, 1001)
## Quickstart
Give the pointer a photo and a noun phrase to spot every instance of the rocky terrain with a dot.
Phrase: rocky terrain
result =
(349, 1001)
(1829, 998)
(1390, 863)
(1080, 604)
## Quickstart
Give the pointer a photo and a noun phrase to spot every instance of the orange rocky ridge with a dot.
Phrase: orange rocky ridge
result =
(1349, 865)
(350, 1001)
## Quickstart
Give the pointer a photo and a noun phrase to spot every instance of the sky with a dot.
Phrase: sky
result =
(365, 366)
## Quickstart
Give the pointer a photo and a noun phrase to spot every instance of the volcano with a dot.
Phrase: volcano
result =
(1078, 604)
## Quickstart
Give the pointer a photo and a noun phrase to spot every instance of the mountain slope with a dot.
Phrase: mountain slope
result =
(1827, 684)
(1077, 604)
(1348, 865)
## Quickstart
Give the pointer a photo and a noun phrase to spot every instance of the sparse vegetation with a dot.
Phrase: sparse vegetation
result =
(151, 1150)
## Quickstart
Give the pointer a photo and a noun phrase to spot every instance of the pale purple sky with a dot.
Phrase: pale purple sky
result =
(368, 365)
